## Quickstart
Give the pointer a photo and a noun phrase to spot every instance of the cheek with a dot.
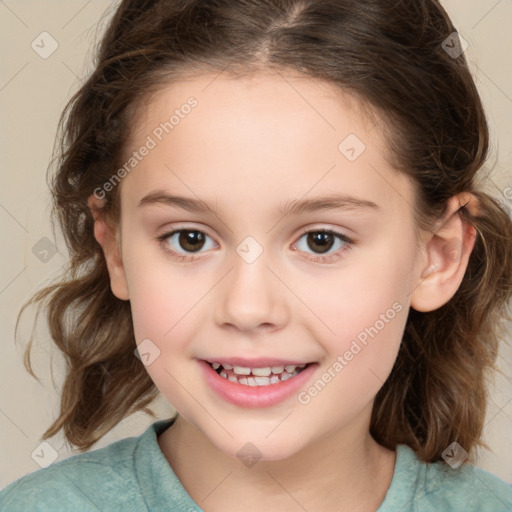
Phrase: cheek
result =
(163, 312)
(369, 324)
(362, 314)
(168, 305)
(158, 296)
(352, 299)
(154, 305)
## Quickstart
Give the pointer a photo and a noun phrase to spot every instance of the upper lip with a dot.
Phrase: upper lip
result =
(259, 362)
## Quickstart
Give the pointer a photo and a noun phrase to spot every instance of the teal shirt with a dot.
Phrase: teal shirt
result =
(132, 475)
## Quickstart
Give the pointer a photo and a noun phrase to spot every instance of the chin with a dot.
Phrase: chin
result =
(259, 449)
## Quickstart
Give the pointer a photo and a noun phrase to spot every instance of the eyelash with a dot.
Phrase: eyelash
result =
(316, 258)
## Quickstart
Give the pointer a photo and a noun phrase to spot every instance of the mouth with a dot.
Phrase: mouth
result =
(256, 383)
(257, 376)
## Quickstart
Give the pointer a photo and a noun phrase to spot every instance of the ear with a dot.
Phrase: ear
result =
(108, 237)
(447, 254)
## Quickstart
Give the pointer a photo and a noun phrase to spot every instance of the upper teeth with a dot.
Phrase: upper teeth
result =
(258, 372)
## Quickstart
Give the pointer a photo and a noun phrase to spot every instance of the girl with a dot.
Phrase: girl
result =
(273, 219)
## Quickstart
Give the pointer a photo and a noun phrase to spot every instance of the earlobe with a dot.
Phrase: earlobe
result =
(107, 236)
(447, 256)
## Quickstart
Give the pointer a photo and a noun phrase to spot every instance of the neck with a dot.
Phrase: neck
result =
(342, 471)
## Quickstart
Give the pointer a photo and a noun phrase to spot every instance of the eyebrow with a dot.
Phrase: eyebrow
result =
(292, 207)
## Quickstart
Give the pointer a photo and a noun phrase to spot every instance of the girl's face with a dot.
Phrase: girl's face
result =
(246, 168)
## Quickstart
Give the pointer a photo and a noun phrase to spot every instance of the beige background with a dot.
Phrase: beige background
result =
(33, 92)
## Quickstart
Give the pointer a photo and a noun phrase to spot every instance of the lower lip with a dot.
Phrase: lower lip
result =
(255, 396)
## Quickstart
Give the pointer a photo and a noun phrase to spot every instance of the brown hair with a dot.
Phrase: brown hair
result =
(390, 55)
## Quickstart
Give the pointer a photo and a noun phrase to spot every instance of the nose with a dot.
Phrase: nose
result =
(251, 298)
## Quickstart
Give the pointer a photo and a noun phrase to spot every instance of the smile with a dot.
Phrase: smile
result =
(256, 386)
(264, 376)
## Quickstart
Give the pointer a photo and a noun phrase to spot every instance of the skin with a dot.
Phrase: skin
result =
(250, 145)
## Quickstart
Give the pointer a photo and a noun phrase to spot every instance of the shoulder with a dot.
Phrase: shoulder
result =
(102, 479)
(467, 488)
(438, 486)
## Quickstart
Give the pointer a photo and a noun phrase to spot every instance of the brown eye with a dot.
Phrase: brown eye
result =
(323, 245)
(320, 241)
(191, 241)
(183, 242)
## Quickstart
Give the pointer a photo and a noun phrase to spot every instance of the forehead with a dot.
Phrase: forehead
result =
(264, 134)
(267, 97)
